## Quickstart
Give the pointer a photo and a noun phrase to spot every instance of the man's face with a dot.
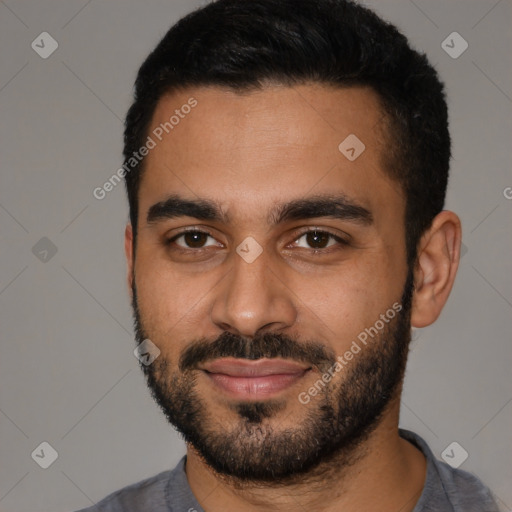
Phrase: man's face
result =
(274, 284)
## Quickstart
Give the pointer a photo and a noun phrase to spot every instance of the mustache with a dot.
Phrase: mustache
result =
(268, 345)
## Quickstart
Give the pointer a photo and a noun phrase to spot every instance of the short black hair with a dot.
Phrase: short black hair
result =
(245, 44)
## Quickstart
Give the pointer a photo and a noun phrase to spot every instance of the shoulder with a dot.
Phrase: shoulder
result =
(448, 488)
(464, 490)
(148, 494)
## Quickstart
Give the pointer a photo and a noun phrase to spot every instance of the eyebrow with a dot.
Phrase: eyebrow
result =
(338, 207)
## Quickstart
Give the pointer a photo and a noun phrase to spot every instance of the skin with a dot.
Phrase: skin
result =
(249, 152)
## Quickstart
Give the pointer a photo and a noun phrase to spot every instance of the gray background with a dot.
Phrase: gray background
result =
(67, 372)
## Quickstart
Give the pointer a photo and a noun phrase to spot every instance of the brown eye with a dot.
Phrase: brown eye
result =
(317, 239)
(193, 240)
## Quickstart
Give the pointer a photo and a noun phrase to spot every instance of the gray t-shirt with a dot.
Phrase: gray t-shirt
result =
(446, 490)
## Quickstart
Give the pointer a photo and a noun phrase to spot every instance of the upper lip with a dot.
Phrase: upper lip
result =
(253, 368)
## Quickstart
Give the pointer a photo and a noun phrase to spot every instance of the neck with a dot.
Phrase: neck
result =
(385, 472)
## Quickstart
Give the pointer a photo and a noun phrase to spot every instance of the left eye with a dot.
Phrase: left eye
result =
(194, 240)
(316, 239)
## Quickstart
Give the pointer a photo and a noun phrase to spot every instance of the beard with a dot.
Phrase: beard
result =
(326, 437)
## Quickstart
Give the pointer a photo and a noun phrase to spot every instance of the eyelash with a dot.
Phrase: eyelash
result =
(337, 238)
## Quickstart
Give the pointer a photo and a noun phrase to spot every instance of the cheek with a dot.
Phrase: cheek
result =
(345, 302)
(171, 301)
(341, 305)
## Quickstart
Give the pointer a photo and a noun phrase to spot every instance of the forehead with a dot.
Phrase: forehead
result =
(249, 150)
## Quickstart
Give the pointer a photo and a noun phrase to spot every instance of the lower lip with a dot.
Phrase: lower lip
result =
(255, 387)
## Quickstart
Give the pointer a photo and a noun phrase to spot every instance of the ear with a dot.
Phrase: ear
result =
(434, 273)
(128, 250)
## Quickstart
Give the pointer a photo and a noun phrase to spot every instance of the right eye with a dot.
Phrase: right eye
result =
(193, 239)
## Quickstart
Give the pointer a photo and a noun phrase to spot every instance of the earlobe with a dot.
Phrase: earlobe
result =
(129, 252)
(437, 263)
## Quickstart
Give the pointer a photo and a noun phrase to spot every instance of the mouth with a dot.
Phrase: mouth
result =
(259, 379)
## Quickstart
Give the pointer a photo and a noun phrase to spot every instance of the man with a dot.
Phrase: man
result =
(286, 163)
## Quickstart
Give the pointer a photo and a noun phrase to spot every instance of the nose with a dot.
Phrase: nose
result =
(252, 299)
